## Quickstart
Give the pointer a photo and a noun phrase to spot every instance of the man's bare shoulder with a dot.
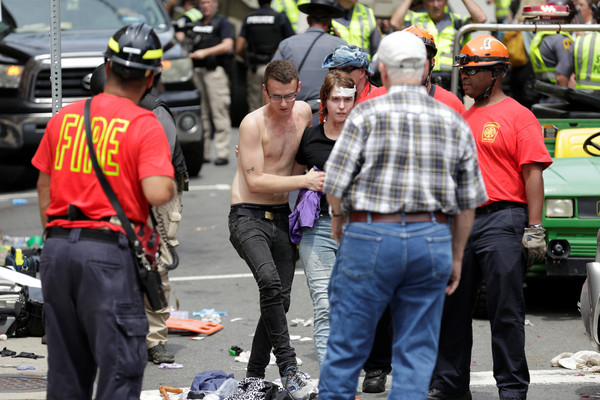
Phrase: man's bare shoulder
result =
(253, 121)
(303, 113)
(302, 108)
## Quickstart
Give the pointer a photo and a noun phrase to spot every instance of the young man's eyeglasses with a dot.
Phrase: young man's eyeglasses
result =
(472, 70)
(278, 98)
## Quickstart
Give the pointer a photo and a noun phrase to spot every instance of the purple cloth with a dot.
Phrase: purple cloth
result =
(306, 212)
(209, 380)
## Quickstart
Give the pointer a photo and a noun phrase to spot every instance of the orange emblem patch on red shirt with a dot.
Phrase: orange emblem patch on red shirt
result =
(489, 132)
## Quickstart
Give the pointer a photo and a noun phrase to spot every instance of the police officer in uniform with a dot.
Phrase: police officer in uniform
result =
(211, 40)
(442, 25)
(188, 12)
(358, 26)
(93, 302)
(549, 51)
(308, 50)
(289, 8)
(584, 57)
(261, 32)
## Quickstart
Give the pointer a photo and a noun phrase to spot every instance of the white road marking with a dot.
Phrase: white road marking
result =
(213, 277)
(540, 377)
(218, 186)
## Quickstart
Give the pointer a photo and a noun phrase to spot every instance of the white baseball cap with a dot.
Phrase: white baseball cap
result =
(401, 50)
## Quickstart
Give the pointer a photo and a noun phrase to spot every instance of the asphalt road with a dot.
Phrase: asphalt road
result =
(212, 276)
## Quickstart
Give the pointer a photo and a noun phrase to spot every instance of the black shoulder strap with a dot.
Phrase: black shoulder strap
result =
(108, 190)
(150, 102)
(308, 51)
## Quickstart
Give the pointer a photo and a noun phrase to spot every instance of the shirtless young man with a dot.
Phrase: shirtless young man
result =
(258, 221)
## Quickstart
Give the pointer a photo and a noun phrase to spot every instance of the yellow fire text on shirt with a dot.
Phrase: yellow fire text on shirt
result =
(72, 145)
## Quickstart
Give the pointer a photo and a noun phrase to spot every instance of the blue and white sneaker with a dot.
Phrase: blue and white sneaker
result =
(297, 385)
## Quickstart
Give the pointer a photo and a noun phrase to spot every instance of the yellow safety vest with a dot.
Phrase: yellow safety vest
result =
(443, 40)
(587, 61)
(359, 31)
(502, 8)
(541, 70)
(290, 8)
(193, 14)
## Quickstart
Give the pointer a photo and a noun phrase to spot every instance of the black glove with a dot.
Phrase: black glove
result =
(534, 245)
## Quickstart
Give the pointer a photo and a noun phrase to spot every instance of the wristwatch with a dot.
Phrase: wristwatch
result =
(537, 226)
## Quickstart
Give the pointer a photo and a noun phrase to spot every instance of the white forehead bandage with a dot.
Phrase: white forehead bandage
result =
(344, 92)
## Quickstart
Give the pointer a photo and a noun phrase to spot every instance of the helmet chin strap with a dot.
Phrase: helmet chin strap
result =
(426, 83)
(488, 91)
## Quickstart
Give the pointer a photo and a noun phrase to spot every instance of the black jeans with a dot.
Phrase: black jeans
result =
(262, 240)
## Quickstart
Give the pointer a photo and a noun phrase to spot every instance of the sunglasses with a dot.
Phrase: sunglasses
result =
(473, 70)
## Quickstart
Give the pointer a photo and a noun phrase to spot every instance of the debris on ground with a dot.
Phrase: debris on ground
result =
(585, 360)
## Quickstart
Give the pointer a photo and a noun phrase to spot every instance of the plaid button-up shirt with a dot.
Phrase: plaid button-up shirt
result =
(405, 151)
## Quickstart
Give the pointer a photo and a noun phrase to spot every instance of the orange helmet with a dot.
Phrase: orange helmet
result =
(481, 51)
(425, 35)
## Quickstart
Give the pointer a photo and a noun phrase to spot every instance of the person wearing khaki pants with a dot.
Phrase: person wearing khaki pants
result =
(156, 340)
(211, 40)
(216, 98)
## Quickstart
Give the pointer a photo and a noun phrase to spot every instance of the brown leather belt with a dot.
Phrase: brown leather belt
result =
(362, 216)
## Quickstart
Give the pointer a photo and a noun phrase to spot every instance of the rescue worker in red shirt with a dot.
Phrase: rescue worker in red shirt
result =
(507, 234)
(95, 321)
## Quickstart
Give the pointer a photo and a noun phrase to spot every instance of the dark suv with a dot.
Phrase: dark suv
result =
(86, 26)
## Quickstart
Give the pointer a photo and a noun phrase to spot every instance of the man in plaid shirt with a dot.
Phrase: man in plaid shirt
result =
(404, 175)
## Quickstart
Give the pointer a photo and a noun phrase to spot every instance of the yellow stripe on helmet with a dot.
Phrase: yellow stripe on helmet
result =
(113, 45)
(152, 54)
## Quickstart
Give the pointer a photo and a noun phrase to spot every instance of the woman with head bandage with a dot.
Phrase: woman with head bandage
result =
(310, 223)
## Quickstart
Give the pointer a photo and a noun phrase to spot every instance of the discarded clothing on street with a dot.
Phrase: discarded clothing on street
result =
(585, 360)
(7, 353)
(209, 380)
(257, 389)
(25, 354)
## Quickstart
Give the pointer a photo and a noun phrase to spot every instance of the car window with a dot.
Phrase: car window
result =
(81, 15)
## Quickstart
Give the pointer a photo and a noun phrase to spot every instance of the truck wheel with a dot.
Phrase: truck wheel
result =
(194, 157)
(480, 306)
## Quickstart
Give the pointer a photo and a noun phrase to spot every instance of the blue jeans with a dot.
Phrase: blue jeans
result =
(266, 247)
(493, 254)
(406, 265)
(94, 317)
(317, 253)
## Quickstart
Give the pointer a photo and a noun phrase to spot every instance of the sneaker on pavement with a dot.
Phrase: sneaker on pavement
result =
(296, 384)
(436, 394)
(159, 354)
(374, 381)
